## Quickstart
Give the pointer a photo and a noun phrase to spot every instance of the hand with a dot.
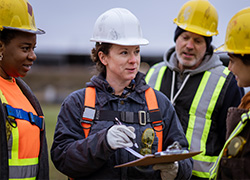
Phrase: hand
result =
(119, 136)
(168, 170)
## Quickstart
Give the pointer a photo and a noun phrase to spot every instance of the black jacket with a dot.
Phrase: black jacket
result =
(92, 158)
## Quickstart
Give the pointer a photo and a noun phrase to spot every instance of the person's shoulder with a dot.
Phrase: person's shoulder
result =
(159, 64)
(161, 97)
(75, 95)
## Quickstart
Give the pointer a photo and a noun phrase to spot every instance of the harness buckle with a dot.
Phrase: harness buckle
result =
(89, 122)
(36, 120)
(88, 113)
(142, 118)
(11, 120)
(31, 117)
(158, 124)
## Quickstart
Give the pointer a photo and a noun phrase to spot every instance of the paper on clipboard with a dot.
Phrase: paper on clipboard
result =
(153, 159)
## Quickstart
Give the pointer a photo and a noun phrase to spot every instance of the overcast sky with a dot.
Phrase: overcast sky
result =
(69, 24)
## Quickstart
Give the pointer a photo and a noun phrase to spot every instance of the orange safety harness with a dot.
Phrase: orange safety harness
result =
(153, 116)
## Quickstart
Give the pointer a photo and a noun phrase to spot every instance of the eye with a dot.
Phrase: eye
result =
(137, 51)
(25, 48)
(124, 52)
(197, 41)
(185, 37)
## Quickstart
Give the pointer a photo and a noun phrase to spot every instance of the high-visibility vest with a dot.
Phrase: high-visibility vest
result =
(237, 130)
(19, 169)
(199, 120)
(88, 114)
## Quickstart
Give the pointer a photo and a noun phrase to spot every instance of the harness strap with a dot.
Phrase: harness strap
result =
(153, 107)
(90, 96)
(15, 113)
(141, 117)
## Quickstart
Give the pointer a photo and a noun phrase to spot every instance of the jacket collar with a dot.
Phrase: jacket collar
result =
(105, 91)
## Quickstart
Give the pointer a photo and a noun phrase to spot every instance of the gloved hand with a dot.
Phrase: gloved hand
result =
(119, 136)
(168, 170)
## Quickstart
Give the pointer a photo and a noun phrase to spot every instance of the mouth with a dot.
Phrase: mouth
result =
(131, 69)
(27, 67)
(189, 55)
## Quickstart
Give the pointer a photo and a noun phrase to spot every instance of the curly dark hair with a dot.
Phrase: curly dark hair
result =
(104, 47)
(244, 58)
(6, 35)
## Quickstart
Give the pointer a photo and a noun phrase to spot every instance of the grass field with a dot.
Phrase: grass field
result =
(51, 111)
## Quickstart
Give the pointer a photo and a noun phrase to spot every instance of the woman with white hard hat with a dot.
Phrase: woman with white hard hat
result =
(98, 124)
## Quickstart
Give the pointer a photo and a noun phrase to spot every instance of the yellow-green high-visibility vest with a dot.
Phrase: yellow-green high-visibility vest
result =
(200, 112)
(240, 126)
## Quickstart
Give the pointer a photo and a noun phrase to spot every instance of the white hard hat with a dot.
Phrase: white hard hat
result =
(118, 26)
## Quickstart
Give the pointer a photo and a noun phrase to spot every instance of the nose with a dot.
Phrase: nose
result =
(190, 44)
(32, 55)
(133, 58)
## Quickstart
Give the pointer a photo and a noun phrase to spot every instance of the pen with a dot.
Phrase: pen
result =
(119, 122)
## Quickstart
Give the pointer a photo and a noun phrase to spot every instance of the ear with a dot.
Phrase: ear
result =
(103, 58)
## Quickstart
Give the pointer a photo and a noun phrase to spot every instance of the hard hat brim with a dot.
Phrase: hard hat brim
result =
(133, 42)
(224, 49)
(38, 31)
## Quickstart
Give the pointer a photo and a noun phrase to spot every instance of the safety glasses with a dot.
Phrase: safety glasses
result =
(147, 139)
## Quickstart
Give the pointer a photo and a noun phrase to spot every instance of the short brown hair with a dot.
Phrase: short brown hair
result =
(104, 47)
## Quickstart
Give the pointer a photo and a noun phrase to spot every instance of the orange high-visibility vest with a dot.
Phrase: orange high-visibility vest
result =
(22, 164)
(90, 98)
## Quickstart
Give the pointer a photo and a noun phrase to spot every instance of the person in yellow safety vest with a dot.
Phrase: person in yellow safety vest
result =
(96, 125)
(234, 159)
(197, 83)
(23, 151)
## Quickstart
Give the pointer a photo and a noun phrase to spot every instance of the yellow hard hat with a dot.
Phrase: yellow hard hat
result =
(237, 38)
(18, 15)
(198, 16)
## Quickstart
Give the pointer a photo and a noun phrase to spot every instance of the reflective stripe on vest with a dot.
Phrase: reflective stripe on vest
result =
(90, 96)
(18, 168)
(8, 126)
(155, 80)
(201, 110)
(200, 118)
(240, 126)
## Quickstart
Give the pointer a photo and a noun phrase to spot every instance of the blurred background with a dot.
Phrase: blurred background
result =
(63, 63)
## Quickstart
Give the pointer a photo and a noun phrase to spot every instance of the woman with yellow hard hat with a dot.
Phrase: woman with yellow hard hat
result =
(23, 153)
(234, 159)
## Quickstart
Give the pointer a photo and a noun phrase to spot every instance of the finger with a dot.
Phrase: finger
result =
(131, 128)
(127, 132)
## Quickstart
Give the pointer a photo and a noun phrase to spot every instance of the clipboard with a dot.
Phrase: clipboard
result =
(154, 159)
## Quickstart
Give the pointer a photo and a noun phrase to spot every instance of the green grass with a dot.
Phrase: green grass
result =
(50, 112)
